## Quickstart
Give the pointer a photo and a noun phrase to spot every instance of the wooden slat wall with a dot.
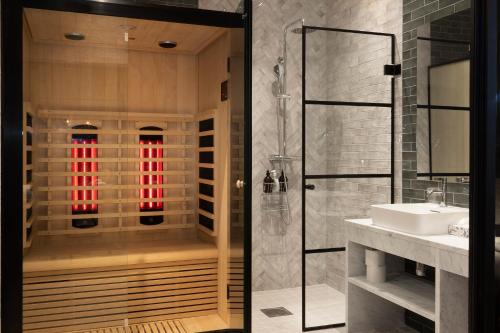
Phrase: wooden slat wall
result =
(235, 285)
(72, 300)
(118, 170)
(203, 214)
(27, 183)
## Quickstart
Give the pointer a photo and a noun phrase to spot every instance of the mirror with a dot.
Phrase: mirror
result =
(443, 90)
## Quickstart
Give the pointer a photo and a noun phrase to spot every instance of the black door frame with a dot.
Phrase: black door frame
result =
(484, 84)
(11, 124)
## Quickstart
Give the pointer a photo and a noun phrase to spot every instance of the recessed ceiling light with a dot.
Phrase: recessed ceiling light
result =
(74, 36)
(127, 27)
(167, 44)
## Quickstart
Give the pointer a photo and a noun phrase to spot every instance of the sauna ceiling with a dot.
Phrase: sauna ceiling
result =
(107, 31)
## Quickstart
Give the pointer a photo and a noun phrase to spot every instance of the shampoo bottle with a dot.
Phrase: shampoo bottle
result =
(283, 182)
(268, 183)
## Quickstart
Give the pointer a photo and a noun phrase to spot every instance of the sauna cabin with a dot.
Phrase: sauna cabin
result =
(132, 142)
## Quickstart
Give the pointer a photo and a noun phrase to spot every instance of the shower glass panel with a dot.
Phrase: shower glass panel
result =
(349, 67)
(325, 295)
(333, 201)
(347, 155)
(348, 140)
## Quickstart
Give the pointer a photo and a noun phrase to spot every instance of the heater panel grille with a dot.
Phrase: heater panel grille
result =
(83, 166)
(150, 163)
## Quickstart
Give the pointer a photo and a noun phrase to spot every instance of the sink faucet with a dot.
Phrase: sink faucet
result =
(441, 191)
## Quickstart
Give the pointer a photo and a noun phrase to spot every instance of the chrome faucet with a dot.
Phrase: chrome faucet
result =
(442, 191)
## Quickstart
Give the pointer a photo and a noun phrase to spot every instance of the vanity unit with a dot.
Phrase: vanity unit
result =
(381, 306)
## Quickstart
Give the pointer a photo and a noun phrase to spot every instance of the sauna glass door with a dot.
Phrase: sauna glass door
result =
(76, 268)
(133, 175)
(235, 287)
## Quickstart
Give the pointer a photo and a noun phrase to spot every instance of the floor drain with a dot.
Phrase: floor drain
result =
(276, 312)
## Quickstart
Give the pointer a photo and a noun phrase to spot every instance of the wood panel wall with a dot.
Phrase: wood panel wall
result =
(96, 78)
(118, 162)
(212, 71)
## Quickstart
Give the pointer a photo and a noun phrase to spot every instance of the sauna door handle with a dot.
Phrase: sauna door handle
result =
(240, 183)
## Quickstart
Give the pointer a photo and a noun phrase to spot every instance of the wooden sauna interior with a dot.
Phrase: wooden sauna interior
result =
(131, 152)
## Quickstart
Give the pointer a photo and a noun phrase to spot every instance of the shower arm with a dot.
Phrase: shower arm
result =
(285, 33)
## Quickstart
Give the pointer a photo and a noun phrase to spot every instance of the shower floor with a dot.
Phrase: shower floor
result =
(325, 305)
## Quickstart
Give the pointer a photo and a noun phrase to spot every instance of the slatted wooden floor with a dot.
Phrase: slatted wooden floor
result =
(165, 326)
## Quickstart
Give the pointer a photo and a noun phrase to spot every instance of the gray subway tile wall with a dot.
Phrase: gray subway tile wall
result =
(457, 193)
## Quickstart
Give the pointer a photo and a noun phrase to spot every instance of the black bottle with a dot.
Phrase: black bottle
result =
(268, 183)
(283, 182)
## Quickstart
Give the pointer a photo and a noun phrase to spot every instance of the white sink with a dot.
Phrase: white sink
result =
(417, 218)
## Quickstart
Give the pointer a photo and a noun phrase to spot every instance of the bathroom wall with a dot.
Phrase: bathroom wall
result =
(339, 140)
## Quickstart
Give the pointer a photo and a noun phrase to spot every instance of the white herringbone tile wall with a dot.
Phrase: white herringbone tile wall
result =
(277, 258)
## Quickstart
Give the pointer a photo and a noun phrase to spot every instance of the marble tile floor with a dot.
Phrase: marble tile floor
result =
(325, 305)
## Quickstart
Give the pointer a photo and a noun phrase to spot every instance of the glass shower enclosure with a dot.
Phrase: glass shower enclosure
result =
(348, 109)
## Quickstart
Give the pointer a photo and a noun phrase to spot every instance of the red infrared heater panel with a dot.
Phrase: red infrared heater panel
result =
(85, 162)
(151, 179)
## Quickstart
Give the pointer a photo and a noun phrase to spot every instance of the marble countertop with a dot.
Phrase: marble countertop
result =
(451, 243)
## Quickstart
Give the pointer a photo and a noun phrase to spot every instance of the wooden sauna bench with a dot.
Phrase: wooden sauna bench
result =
(83, 282)
(108, 249)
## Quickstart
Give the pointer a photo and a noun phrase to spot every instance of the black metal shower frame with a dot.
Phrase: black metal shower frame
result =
(305, 177)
